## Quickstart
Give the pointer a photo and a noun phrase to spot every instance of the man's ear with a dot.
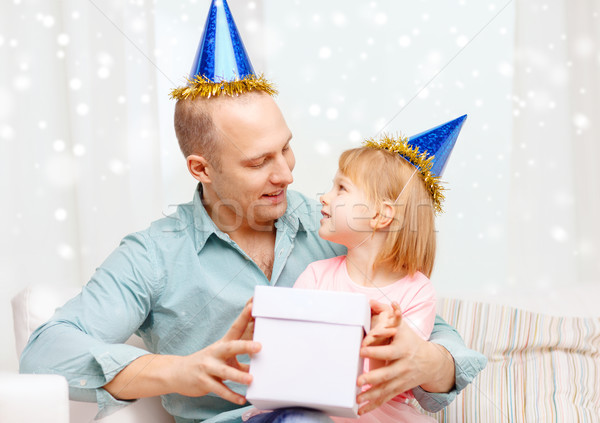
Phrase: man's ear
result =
(384, 217)
(199, 168)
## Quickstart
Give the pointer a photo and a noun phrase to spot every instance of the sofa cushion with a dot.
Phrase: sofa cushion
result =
(540, 367)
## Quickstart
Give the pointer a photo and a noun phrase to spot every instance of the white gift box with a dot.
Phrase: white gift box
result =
(310, 349)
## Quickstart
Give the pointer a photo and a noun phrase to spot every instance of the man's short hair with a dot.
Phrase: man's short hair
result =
(195, 130)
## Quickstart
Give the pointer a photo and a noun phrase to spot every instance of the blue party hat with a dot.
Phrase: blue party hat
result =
(428, 152)
(438, 142)
(221, 65)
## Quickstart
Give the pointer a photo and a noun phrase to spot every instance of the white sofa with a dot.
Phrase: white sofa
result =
(540, 367)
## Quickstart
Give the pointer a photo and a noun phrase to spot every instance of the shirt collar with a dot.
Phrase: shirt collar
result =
(203, 224)
(294, 219)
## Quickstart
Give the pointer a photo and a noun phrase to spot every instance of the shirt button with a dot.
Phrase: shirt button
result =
(280, 253)
(83, 382)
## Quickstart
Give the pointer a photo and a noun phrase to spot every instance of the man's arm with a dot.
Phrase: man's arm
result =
(467, 365)
(84, 340)
(437, 369)
(194, 375)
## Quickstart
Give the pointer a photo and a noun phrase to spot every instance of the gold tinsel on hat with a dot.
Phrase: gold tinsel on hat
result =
(420, 160)
(204, 87)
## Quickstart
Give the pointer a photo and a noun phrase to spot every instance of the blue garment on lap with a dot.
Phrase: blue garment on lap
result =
(291, 415)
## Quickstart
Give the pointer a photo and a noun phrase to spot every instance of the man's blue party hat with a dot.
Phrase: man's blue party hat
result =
(221, 65)
(428, 152)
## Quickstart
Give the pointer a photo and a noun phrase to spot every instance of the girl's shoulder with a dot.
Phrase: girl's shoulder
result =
(419, 277)
(419, 285)
(411, 285)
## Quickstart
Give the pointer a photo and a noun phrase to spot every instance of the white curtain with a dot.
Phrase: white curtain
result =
(554, 226)
(80, 157)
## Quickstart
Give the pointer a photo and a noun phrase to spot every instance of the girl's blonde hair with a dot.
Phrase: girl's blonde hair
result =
(381, 174)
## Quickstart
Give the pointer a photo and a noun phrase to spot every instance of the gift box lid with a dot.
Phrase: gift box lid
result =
(342, 308)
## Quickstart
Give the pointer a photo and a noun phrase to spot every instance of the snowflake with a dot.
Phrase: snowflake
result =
(116, 166)
(22, 83)
(314, 110)
(78, 150)
(462, 41)
(65, 251)
(381, 18)
(331, 113)
(559, 234)
(581, 121)
(339, 19)
(60, 214)
(322, 147)
(82, 109)
(354, 136)
(7, 132)
(324, 52)
(75, 84)
(404, 41)
(103, 72)
(59, 145)
(63, 39)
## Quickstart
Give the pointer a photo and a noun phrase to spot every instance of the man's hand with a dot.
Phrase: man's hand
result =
(204, 371)
(409, 360)
(196, 374)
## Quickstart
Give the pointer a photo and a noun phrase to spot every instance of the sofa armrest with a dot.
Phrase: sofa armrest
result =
(33, 398)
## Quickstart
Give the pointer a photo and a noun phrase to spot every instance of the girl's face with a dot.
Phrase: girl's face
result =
(347, 214)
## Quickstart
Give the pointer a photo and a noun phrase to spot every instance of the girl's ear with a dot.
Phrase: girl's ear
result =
(199, 168)
(384, 217)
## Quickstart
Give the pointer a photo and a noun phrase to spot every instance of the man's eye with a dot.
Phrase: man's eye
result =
(258, 165)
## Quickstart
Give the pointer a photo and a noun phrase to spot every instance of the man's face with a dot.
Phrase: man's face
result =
(256, 160)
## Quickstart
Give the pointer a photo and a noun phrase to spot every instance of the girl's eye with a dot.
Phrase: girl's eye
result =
(342, 188)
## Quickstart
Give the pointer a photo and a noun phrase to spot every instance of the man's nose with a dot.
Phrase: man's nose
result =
(283, 173)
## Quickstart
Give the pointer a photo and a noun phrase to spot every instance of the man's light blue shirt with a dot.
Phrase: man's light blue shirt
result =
(179, 285)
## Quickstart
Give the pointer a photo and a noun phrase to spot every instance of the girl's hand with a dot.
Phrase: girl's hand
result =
(248, 334)
(385, 320)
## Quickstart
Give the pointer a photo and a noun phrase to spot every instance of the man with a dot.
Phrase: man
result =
(181, 283)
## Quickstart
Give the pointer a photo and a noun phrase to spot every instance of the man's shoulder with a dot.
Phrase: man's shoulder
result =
(174, 224)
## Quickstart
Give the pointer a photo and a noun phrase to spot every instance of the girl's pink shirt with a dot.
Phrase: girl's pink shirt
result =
(415, 294)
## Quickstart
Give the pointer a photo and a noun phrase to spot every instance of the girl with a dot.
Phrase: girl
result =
(381, 207)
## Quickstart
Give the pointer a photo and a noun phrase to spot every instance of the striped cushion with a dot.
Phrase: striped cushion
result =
(540, 368)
